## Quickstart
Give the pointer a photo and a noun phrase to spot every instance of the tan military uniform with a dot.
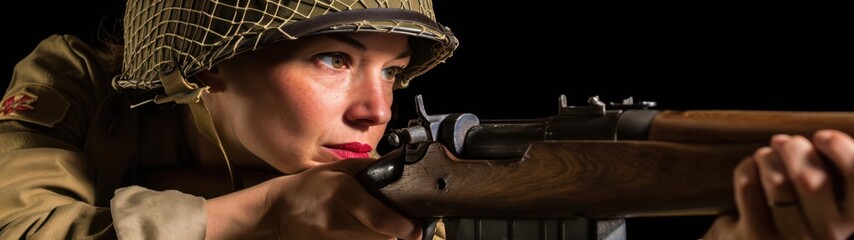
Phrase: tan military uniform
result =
(68, 141)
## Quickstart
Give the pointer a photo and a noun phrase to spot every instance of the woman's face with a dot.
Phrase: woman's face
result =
(302, 103)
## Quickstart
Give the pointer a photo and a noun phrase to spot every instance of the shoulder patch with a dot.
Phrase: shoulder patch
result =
(34, 103)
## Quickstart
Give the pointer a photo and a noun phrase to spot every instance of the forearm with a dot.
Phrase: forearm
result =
(236, 215)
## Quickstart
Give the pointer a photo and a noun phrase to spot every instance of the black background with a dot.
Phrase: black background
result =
(515, 59)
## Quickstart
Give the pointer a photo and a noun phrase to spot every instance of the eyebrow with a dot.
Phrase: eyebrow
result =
(356, 44)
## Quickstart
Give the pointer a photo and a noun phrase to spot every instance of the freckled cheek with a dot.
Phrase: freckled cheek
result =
(269, 111)
(329, 79)
(304, 107)
(389, 97)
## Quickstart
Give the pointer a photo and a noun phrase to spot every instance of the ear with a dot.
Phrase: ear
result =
(212, 78)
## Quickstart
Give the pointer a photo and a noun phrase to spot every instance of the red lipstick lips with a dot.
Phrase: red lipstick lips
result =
(350, 150)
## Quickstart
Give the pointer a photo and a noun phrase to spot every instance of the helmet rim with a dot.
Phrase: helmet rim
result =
(140, 71)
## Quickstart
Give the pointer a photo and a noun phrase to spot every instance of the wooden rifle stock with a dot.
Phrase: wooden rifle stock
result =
(724, 126)
(684, 168)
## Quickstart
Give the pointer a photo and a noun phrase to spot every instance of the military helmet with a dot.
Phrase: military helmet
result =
(194, 35)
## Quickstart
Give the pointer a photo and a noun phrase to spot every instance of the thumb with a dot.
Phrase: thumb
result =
(351, 166)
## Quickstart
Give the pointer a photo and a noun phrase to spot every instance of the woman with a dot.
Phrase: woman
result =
(319, 92)
(332, 99)
(263, 89)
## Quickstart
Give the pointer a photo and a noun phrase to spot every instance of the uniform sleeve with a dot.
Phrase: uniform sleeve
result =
(46, 181)
(46, 189)
(47, 195)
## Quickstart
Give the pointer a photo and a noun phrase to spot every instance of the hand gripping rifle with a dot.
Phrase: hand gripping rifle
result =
(595, 161)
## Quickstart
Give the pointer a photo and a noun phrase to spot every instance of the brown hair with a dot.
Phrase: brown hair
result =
(107, 41)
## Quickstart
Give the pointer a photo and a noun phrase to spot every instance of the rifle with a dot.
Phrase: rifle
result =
(597, 161)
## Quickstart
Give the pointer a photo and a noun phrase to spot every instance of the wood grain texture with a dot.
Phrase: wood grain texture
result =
(743, 126)
(560, 179)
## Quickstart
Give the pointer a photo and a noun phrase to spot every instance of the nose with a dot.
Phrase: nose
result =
(371, 102)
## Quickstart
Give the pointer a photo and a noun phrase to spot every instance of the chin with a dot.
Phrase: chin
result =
(294, 167)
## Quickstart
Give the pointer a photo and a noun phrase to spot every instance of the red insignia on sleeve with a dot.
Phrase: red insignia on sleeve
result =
(17, 103)
(34, 103)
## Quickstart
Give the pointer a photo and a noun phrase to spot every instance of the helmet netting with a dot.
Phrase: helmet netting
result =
(195, 35)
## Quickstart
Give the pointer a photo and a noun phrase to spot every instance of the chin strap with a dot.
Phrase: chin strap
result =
(179, 90)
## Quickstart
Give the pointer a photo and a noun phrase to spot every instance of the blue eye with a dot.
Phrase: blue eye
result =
(333, 60)
(391, 72)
